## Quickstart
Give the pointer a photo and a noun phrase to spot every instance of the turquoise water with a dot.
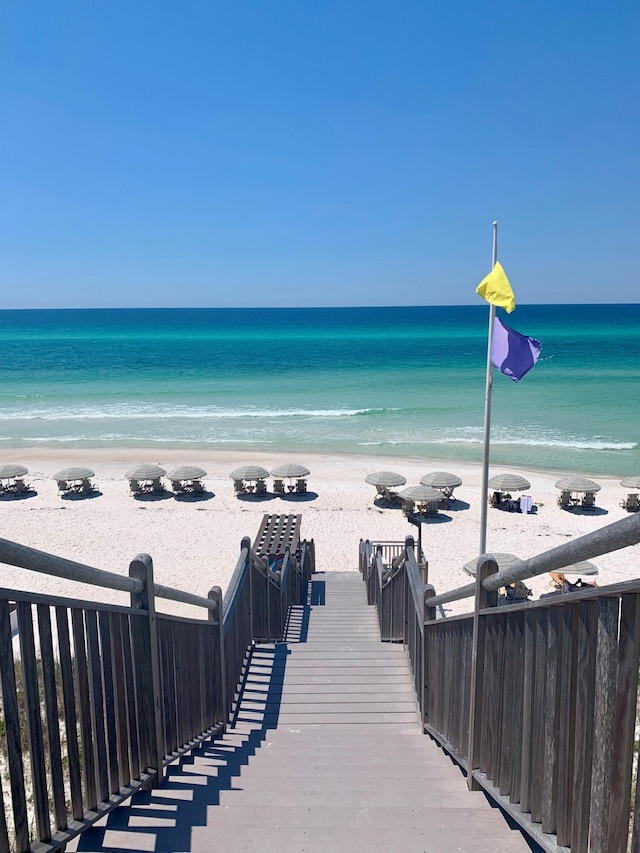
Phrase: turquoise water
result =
(392, 381)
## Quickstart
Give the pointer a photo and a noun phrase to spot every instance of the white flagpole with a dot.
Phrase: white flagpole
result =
(484, 497)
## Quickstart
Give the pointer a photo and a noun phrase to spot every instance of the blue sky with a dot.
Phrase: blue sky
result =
(339, 152)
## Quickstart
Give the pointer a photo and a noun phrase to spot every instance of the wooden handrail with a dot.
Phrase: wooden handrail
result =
(612, 537)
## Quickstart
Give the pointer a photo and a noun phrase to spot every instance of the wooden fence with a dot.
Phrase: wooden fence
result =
(536, 701)
(98, 698)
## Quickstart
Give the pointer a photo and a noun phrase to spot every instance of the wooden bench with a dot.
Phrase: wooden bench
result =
(276, 534)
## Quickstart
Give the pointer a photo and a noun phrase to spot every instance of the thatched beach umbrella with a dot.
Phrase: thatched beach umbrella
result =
(187, 472)
(11, 469)
(577, 484)
(249, 472)
(441, 480)
(422, 494)
(388, 479)
(290, 471)
(504, 561)
(77, 473)
(508, 483)
(628, 482)
(146, 471)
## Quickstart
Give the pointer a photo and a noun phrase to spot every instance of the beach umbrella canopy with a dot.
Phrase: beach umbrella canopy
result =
(249, 472)
(583, 568)
(146, 471)
(290, 470)
(423, 494)
(77, 473)
(12, 470)
(504, 561)
(577, 484)
(187, 472)
(508, 483)
(628, 482)
(441, 480)
(385, 478)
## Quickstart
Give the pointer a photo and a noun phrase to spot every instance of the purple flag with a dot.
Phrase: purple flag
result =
(512, 353)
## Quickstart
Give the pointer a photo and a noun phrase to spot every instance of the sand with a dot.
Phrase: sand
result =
(195, 543)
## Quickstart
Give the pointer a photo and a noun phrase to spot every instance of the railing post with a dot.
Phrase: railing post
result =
(147, 664)
(215, 594)
(429, 616)
(245, 542)
(486, 566)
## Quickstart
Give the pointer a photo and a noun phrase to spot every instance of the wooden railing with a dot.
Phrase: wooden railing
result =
(100, 697)
(537, 701)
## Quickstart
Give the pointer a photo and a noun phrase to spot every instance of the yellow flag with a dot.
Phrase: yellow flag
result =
(495, 288)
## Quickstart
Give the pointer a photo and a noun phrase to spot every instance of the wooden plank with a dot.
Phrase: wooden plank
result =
(585, 690)
(109, 701)
(70, 716)
(97, 704)
(538, 715)
(130, 689)
(603, 718)
(84, 709)
(568, 645)
(551, 726)
(12, 730)
(120, 700)
(527, 701)
(52, 716)
(625, 721)
(34, 722)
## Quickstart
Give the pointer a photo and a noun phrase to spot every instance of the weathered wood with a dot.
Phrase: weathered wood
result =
(529, 666)
(84, 710)
(34, 721)
(568, 649)
(12, 731)
(551, 726)
(486, 567)
(582, 761)
(97, 704)
(219, 660)
(606, 673)
(130, 688)
(120, 701)
(109, 701)
(52, 716)
(70, 715)
(624, 722)
(537, 716)
(146, 653)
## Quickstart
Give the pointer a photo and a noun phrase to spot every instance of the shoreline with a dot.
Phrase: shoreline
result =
(195, 543)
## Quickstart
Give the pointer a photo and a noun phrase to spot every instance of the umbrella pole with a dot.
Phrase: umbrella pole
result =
(487, 412)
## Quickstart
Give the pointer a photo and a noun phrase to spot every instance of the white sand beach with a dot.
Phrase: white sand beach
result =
(194, 543)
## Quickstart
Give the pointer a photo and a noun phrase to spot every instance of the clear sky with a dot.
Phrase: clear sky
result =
(317, 152)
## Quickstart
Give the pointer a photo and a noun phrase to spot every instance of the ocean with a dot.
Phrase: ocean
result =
(377, 381)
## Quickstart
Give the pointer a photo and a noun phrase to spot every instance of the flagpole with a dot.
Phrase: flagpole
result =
(484, 497)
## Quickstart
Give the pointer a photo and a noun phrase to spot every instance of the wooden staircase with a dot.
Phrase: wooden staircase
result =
(326, 755)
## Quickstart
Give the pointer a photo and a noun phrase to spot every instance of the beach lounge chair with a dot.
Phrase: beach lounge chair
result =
(526, 503)
(589, 500)
(176, 485)
(631, 503)
(278, 487)
(301, 487)
(495, 499)
(408, 507)
(63, 486)
(239, 487)
(134, 486)
(564, 499)
(197, 486)
(261, 487)
(20, 486)
(156, 485)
